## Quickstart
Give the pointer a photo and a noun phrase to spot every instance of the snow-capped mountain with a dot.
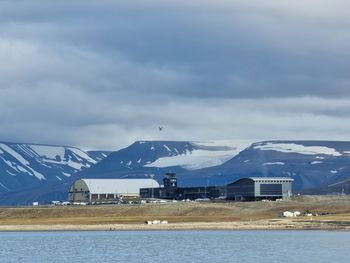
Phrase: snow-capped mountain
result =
(314, 165)
(24, 165)
(153, 158)
(142, 159)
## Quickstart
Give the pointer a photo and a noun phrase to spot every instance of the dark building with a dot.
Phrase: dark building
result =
(258, 188)
(170, 186)
(245, 189)
(201, 192)
(171, 191)
(170, 180)
(168, 191)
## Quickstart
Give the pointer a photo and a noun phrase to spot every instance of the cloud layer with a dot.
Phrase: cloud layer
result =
(101, 74)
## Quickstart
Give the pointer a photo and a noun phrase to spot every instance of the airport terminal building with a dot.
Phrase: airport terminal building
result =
(244, 189)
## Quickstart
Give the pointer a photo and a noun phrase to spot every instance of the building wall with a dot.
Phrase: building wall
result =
(270, 189)
(249, 189)
(181, 193)
(243, 189)
(273, 188)
(153, 193)
(286, 190)
(79, 192)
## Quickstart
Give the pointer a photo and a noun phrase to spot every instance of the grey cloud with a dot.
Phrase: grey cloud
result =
(102, 73)
(116, 125)
(279, 50)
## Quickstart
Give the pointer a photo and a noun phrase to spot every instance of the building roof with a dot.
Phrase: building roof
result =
(271, 179)
(120, 186)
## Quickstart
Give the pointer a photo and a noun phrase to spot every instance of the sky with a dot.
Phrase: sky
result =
(101, 74)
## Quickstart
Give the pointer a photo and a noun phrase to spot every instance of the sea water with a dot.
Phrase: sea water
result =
(175, 246)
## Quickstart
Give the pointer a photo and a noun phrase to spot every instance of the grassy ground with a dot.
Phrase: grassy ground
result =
(336, 208)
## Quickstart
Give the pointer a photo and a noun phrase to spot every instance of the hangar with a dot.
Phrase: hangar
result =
(102, 190)
(258, 188)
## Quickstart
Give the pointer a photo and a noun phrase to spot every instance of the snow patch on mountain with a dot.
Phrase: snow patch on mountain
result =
(49, 152)
(205, 154)
(166, 147)
(274, 163)
(24, 165)
(57, 155)
(236, 146)
(319, 157)
(192, 160)
(41, 162)
(296, 148)
(3, 186)
(80, 155)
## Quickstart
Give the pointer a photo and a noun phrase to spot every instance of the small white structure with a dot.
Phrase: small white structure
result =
(35, 203)
(308, 214)
(98, 190)
(156, 222)
(290, 214)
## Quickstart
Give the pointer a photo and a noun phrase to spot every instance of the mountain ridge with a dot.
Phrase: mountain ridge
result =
(312, 164)
(24, 165)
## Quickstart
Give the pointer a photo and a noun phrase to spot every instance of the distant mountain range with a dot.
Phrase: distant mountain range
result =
(25, 165)
(31, 172)
(314, 165)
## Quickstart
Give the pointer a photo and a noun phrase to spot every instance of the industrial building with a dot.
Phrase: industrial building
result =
(258, 188)
(245, 189)
(170, 190)
(104, 190)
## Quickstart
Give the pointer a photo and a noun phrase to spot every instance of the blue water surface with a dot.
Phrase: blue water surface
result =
(175, 246)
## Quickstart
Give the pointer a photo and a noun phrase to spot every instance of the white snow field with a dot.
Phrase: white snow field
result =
(210, 153)
(297, 148)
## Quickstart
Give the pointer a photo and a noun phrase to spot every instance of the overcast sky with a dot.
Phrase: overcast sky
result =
(101, 74)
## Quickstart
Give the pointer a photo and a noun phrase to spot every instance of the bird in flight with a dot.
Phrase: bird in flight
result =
(160, 128)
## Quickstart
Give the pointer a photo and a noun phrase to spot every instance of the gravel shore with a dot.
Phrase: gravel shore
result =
(276, 224)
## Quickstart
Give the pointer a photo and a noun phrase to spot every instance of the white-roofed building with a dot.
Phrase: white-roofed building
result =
(95, 190)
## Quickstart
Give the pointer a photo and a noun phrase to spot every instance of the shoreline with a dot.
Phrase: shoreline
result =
(264, 225)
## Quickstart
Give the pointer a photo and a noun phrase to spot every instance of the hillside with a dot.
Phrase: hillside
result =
(24, 166)
(154, 158)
